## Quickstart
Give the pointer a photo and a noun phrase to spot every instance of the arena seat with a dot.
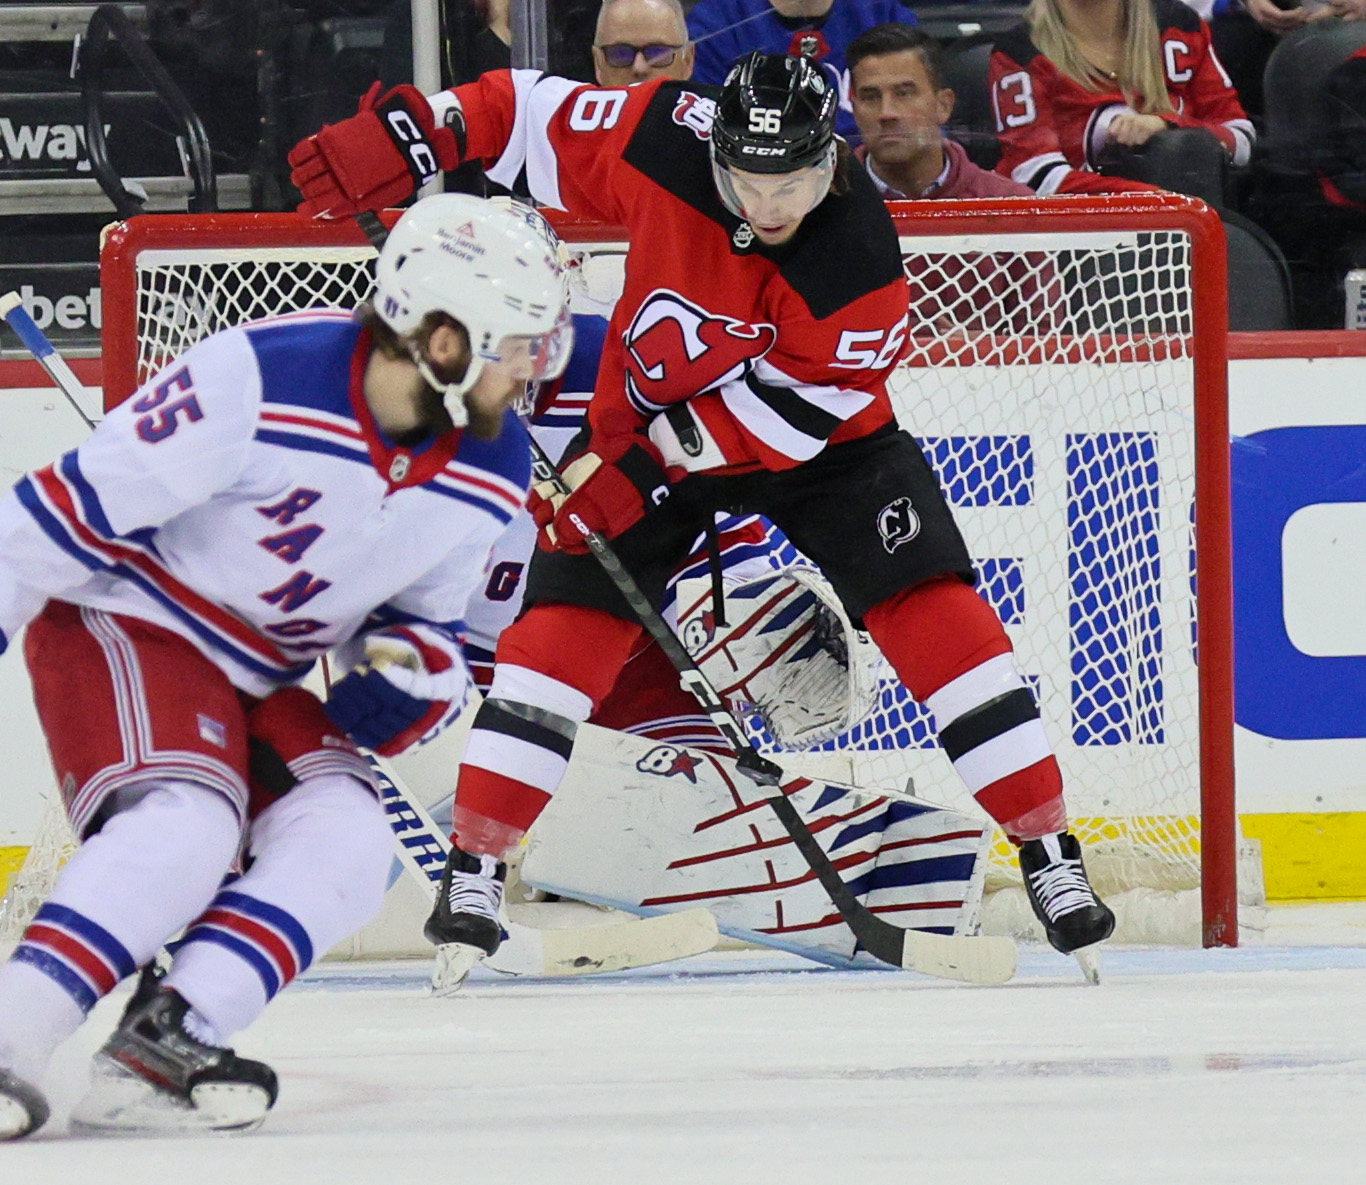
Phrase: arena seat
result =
(967, 69)
(1293, 88)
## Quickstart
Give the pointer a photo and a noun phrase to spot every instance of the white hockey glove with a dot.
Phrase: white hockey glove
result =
(700, 434)
(407, 683)
(788, 652)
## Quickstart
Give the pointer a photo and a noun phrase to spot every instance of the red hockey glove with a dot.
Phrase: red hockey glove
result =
(375, 159)
(613, 484)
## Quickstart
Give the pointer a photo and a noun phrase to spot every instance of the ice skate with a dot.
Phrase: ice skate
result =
(22, 1106)
(464, 924)
(153, 1077)
(1073, 917)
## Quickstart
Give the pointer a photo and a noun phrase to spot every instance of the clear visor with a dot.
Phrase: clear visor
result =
(538, 358)
(774, 199)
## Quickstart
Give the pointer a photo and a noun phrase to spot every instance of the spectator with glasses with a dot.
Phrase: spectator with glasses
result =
(637, 40)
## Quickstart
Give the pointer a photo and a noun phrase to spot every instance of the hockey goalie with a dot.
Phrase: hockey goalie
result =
(646, 825)
(653, 816)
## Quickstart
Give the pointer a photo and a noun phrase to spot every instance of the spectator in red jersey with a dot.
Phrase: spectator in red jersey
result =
(1084, 86)
(637, 40)
(900, 105)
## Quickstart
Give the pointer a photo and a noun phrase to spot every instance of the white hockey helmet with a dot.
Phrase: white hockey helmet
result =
(495, 268)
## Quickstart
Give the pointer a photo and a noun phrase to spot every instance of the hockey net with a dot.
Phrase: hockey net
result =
(1067, 380)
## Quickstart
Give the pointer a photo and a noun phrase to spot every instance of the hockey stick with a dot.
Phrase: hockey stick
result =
(13, 311)
(971, 960)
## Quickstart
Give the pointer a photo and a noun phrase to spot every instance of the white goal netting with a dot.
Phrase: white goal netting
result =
(1053, 383)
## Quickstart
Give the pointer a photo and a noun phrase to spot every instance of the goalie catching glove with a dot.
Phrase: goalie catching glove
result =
(788, 652)
(377, 158)
(612, 486)
(407, 684)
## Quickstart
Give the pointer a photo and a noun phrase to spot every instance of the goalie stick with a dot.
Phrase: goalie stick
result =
(969, 960)
(530, 951)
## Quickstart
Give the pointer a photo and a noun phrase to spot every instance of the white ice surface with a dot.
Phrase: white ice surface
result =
(1183, 1066)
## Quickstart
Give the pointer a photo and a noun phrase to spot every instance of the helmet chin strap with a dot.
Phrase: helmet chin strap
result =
(452, 394)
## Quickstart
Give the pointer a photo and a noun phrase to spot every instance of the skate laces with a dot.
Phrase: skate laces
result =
(1061, 887)
(476, 892)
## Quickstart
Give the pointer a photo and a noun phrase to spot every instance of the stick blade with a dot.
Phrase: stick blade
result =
(967, 960)
(589, 950)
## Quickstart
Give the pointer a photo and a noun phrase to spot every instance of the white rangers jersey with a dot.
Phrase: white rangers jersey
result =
(245, 499)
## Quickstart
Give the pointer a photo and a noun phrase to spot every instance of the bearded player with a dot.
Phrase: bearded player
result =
(321, 480)
(744, 370)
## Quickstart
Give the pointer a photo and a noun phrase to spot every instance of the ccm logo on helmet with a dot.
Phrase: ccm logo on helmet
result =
(897, 523)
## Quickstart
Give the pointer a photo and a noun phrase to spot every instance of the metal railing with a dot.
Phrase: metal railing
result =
(109, 22)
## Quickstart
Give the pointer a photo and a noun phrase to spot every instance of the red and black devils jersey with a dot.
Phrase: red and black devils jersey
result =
(797, 340)
(1052, 129)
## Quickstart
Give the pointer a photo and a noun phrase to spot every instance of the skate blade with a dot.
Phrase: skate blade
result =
(454, 962)
(120, 1104)
(15, 1119)
(1088, 959)
(968, 960)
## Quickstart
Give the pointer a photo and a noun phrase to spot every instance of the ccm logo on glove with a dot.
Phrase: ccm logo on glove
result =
(612, 486)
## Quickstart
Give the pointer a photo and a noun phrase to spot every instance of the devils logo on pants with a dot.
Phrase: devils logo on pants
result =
(675, 350)
(897, 523)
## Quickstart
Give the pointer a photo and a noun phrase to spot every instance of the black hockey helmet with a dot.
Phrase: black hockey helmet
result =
(776, 114)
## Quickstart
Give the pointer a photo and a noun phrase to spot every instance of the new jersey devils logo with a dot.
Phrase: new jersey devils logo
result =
(674, 350)
(695, 113)
(666, 760)
(809, 43)
(897, 523)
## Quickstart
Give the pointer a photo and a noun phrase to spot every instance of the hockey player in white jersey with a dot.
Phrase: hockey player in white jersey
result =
(283, 489)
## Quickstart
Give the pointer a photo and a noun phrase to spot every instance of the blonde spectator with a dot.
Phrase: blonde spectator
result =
(1082, 80)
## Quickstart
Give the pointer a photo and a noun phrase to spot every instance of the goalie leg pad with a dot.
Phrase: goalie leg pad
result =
(672, 829)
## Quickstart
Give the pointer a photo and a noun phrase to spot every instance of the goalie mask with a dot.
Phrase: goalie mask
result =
(788, 653)
(498, 270)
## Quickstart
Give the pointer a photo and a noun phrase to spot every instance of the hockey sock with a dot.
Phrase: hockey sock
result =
(950, 651)
(648, 700)
(553, 666)
(144, 876)
(320, 863)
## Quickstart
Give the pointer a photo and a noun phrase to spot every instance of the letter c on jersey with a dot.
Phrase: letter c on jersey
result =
(1312, 475)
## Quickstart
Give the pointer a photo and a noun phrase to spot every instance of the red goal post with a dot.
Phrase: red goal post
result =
(1067, 377)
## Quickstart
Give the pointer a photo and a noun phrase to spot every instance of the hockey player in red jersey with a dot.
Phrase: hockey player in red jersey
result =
(1080, 75)
(745, 369)
(282, 489)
